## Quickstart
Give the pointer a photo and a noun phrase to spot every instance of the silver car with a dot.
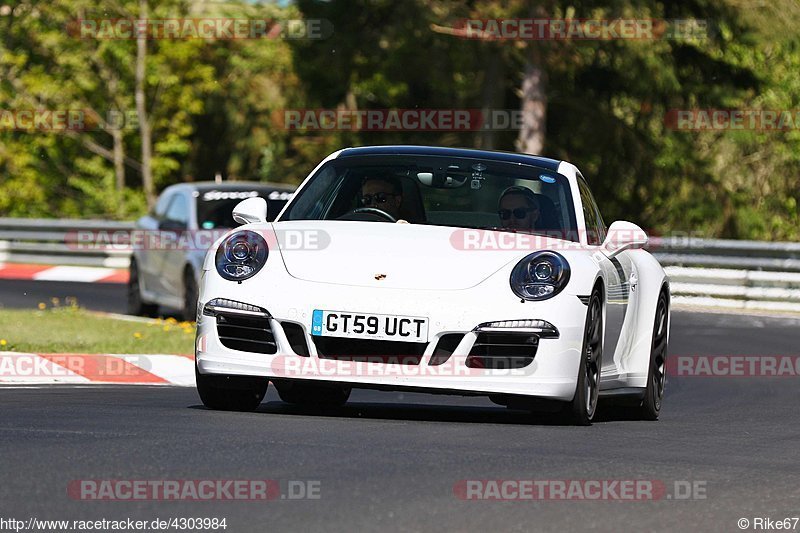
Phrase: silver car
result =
(169, 243)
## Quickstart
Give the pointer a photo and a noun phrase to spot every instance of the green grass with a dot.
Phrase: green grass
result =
(74, 330)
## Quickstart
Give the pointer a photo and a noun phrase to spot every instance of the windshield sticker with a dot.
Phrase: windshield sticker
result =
(280, 195)
(229, 195)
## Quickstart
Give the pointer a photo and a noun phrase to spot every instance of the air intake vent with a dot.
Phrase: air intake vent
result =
(444, 348)
(296, 337)
(371, 351)
(245, 333)
(503, 350)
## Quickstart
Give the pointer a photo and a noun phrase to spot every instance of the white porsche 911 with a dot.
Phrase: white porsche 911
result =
(438, 270)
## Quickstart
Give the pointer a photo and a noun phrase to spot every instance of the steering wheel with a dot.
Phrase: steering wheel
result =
(372, 211)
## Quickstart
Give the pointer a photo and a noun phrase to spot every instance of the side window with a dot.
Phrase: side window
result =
(601, 225)
(161, 206)
(178, 210)
(595, 229)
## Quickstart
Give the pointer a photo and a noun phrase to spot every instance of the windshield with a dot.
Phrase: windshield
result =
(215, 207)
(442, 191)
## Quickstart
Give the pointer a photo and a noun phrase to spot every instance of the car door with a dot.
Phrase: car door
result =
(173, 255)
(148, 254)
(617, 273)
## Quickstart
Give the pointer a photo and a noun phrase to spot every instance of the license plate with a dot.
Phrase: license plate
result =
(369, 326)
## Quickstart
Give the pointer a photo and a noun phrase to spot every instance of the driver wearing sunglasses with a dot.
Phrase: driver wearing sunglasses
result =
(382, 192)
(519, 209)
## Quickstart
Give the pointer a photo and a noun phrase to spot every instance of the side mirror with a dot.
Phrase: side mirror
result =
(623, 236)
(250, 211)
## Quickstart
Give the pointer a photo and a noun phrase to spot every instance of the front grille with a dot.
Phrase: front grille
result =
(371, 351)
(246, 333)
(503, 350)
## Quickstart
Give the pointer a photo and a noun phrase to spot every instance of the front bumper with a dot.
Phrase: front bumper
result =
(552, 373)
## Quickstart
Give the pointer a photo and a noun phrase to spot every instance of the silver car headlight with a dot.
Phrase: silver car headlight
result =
(540, 275)
(241, 255)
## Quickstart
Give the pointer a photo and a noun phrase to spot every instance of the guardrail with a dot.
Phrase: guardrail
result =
(704, 272)
(51, 242)
(750, 275)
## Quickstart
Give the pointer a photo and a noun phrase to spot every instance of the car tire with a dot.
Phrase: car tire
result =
(190, 295)
(230, 393)
(582, 408)
(656, 375)
(309, 394)
(136, 305)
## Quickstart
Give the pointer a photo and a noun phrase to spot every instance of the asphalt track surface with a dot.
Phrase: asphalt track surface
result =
(27, 294)
(390, 461)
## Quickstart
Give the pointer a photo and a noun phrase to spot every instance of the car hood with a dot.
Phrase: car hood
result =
(400, 256)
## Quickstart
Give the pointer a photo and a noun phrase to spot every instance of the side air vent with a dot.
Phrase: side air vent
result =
(503, 350)
(245, 333)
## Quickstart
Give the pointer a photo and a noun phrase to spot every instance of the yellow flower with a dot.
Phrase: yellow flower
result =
(3, 342)
(137, 335)
(171, 320)
(42, 306)
(166, 328)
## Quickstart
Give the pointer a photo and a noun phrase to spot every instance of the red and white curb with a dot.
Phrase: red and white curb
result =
(63, 273)
(81, 369)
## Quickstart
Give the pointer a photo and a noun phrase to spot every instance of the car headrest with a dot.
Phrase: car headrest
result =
(548, 215)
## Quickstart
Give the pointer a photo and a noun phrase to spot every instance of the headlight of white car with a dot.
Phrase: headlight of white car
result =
(241, 255)
(540, 275)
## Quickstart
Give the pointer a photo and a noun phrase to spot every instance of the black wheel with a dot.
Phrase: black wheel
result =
(312, 394)
(190, 296)
(656, 375)
(584, 404)
(230, 393)
(137, 306)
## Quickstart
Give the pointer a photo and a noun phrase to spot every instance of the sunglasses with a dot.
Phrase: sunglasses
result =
(520, 212)
(378, 198)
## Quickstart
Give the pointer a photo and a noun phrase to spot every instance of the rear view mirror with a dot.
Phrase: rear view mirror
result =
(250, 211)
(440, 179)
(623, 236)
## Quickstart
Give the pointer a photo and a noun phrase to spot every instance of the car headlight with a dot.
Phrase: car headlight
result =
(540, 275)
(241, 255)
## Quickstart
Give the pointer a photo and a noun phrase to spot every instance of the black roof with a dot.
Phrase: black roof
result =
(508, 157)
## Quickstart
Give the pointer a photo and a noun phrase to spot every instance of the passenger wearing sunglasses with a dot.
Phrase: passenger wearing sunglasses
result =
(384, 193)
(519, 209)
